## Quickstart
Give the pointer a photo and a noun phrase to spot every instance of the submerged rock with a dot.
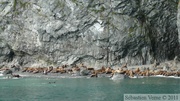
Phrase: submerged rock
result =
(118, 76)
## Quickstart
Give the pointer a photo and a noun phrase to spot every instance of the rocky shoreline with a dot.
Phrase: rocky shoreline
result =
(80, 70)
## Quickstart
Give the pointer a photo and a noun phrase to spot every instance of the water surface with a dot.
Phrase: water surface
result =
(83, 89)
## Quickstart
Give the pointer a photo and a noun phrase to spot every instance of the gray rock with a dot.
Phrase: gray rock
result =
(96, 33)
(6, 72)
(118, 76)
(84, 72)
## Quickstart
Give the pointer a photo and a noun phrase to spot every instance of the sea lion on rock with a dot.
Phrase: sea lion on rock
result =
(127, 73)
(24, 69)
(90, 68)
(160, 72)
(147, 73)
(40, 69)
(177, 73)
(108, 70)
(69, 70)
(143, 73)
(137, 71)
(131, 74)
(170, 74)
(36, 71)
(50, 69)
(54, 70)
(76, 71)
(119, 71)
(93, 75)
(100, 71)
(30, 70)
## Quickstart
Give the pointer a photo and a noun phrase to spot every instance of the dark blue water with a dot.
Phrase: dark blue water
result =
(83, 89)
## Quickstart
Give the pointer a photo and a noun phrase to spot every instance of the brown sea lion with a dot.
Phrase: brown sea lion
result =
(90, 68)
(108, 70)
(30, 69)
(93, 75)
(24, 69)
(50, 69)
(100, 71)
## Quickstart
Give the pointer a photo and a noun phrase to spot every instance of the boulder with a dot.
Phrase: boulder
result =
(7, 71)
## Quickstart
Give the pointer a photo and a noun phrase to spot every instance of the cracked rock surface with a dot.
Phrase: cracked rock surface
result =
(93, 32)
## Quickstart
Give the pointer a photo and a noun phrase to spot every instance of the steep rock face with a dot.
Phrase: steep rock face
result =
(94, 32)
(178, 25)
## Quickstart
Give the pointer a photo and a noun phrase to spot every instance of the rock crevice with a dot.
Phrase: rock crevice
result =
(110, 32)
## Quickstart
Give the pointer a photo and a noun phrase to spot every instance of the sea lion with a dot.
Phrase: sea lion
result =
(177, 73)
(30, 69)
(137, 71)
(16, 75)
(94, 75)
(50, 69)
(75, 69)
(69, 70)
(52, 82)
(147, 73)
(100, 71)
(35, 71)
(90, 68)
(121, 71)
(131, 74)
(54, 70)
(25, 69)
(108, 70)
(96, 72)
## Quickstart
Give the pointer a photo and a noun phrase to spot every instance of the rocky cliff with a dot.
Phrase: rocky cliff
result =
(93, 32)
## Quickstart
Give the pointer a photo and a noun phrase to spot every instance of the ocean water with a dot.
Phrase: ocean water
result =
(83, 89)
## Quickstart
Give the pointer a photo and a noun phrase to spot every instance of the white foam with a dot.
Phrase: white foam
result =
(174, 77)
(137, 77)
(118, 77)
(1, 73)
(166, 76)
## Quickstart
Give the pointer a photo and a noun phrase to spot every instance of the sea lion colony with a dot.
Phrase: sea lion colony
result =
(92, 72)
